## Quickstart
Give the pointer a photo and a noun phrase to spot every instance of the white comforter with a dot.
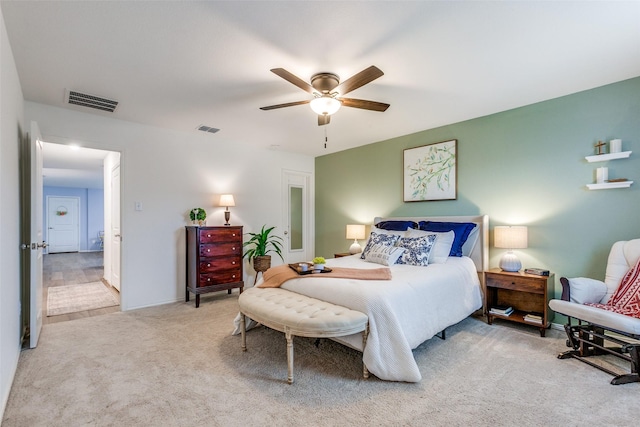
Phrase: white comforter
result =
(415, 305)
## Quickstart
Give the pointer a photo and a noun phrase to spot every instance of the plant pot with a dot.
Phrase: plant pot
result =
(318, 266)
(262, 263)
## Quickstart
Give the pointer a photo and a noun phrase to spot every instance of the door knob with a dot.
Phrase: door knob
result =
(42, 245)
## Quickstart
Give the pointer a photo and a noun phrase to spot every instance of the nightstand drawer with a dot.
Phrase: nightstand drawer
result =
(523, 284)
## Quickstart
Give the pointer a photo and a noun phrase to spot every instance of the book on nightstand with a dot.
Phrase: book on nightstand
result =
(533, 318)
(500, 310)
(537, 271)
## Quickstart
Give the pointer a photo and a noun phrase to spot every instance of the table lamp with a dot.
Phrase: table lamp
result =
(226, 200)
(510, 237)
(355, 232)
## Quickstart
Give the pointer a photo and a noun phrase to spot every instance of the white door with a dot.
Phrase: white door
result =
(297, 216)
(63, 223)
(116, 237)
(37, 244)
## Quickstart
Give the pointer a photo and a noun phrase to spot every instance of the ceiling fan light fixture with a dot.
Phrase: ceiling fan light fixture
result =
(325, 104)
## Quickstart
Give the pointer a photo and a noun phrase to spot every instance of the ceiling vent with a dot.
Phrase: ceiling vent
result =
(209, 129)
(90, 101)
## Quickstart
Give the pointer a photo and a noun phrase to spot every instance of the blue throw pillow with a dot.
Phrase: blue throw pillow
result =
(396, 225)
(460, 229)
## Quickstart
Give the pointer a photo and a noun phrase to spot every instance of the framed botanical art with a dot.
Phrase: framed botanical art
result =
(430, 172)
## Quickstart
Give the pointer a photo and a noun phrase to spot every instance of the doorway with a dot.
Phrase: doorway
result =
(79, 211)
(297, 196)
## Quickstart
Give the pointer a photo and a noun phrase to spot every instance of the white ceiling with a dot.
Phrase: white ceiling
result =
(181, 64)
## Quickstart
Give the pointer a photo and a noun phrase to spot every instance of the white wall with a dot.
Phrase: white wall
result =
(11, 126)
(170, 172)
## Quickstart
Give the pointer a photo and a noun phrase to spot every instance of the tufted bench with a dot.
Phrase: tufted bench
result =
(296, 314)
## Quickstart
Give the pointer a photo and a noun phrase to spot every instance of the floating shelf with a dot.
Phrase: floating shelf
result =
(610, 156)
(608, 185)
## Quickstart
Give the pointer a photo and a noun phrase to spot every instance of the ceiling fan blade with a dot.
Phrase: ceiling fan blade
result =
(293, 79)
(362, 78)
(364, 104)
(288, 104)
(323, 119)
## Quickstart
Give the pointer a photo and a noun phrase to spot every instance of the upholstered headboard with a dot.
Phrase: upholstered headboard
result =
(480, 252)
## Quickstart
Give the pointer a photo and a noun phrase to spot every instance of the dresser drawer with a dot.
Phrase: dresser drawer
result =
(220, 249)
(225, 276)
(523, 284)
(220, 235)
(218, 264)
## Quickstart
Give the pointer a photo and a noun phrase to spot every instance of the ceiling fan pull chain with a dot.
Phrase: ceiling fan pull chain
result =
(325, 138)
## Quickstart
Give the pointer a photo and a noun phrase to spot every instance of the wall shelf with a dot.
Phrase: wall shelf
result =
(610, 156)
(608, 185)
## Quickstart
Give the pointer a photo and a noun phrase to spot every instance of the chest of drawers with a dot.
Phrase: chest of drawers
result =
(214, 260)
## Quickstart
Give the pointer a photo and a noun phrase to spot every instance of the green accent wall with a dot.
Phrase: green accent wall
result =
(524, 166)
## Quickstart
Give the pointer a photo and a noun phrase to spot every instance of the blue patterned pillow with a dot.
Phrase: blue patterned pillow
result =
(379, 239)
(417, 250)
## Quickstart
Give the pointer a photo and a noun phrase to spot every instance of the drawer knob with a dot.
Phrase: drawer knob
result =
(233, 235)
(208, 265)
(208, 279)
(234, 276)
(233, 263)
(208, 250)
(208, 235)
(233, 248)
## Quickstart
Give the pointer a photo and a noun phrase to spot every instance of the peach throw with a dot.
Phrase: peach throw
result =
(276, 276)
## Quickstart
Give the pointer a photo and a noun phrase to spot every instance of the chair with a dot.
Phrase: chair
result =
(101, 239)
(597, 324)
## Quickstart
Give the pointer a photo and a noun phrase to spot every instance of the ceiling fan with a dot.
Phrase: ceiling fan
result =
(328, 91)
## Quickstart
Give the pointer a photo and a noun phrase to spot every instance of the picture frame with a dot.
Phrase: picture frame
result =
(430, 172)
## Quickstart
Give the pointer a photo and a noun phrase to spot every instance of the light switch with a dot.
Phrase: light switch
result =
(138, 206)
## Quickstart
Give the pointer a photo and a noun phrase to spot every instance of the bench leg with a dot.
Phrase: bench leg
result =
(365, 334)
(243, 331)
(289, 337)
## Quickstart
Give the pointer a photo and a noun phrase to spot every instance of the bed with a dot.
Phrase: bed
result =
(418, 303)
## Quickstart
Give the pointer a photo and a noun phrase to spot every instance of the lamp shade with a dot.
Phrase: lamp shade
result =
(226, 200)
(510, 237)
(355, 231)
(325, 104)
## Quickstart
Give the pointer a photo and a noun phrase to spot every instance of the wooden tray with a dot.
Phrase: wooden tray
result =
(297, 269)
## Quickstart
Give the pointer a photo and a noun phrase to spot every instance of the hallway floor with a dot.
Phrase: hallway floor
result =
(69, 269)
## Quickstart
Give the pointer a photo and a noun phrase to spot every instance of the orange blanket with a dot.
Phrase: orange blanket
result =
(276, 276)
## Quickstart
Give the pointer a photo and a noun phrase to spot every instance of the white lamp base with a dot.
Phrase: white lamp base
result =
(355, 248)
(510, 262)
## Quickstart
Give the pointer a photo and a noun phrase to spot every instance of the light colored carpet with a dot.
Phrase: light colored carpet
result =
(73, 298)
(175, 365)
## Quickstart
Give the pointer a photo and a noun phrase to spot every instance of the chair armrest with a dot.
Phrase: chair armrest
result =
(582, 290)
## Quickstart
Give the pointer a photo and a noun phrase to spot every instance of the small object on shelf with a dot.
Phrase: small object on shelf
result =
(618, 180)
(537, 271)
(533, 318)
(602, 175)
(615, 146)
(501, 311)
(599, 146)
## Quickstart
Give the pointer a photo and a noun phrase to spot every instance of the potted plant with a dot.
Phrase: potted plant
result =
(318, 263)
(197, 215)
(259, 245)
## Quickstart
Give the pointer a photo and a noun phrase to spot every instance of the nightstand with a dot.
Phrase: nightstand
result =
(526, 293)
(340, 255)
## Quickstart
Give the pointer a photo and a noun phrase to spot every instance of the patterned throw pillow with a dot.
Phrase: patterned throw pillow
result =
(626, 299)
(385, 255)
(417, 249)
(379, 239)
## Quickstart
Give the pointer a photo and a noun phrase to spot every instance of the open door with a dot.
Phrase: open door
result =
(32, 246)
(297, 216)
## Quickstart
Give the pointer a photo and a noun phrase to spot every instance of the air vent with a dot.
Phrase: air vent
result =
(90, 101)
(209, 129)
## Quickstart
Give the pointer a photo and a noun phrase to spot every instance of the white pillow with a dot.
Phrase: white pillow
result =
(442, 247)
(586, 290)
(383, 231)
(382, 254)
